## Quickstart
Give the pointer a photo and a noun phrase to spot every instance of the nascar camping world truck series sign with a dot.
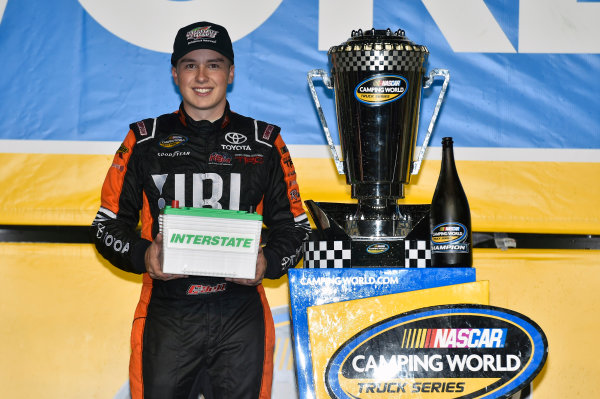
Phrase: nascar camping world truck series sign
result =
(449, 351)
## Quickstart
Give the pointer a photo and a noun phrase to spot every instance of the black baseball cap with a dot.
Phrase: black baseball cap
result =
(201, 35)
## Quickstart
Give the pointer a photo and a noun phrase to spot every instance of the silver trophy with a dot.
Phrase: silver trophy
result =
(377, 77)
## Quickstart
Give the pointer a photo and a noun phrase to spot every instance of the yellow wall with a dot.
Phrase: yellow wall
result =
(65, 326)
(66, 316)
(65, 313)
(550, 197)
(559, 291)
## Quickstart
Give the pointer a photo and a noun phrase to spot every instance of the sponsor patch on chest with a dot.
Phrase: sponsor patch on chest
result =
(236, 142)
(172, 141)
(220, 158)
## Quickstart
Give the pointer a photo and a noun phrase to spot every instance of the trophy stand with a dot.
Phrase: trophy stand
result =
(331, 246)
(377, 77)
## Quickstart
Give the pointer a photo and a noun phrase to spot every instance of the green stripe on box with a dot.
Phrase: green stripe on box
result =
(212, 213)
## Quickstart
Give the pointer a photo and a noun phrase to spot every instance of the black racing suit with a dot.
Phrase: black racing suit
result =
(200, 331)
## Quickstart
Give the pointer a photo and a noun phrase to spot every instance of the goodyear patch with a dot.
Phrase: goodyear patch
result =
(448, 351)
(173, 141)
(381, 89)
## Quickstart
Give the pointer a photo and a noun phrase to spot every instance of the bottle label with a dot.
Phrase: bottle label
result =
(450, 237)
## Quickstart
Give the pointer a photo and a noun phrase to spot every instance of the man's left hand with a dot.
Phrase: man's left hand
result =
(261, 267)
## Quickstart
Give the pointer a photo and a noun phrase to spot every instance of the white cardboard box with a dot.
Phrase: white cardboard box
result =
(210, 242)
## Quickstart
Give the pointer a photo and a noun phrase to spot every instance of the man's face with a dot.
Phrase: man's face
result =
(202, 77)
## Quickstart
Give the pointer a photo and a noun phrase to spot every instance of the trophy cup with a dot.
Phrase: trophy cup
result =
(377, 77)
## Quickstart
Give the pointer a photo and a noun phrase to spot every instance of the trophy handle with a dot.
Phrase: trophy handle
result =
(327, 81)
(426, 84)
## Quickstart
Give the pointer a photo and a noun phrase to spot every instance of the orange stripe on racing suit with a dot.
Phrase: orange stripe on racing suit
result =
(289, 171)
(136, 380)
(267, 379)
(113, 183)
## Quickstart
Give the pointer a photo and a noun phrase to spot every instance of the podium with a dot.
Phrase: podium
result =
(415, 333)
(329, 306)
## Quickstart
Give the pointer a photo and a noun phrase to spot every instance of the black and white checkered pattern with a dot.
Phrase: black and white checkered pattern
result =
(417, 254)
(378, 60)
(327, 254)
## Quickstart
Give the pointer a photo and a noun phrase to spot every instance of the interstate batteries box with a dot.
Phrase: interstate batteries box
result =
(210, 242)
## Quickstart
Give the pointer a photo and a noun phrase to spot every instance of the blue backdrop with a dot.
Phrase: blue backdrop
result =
(64, 76)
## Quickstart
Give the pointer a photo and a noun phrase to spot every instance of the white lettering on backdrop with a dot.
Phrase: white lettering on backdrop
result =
(152, 24)
(545, 26)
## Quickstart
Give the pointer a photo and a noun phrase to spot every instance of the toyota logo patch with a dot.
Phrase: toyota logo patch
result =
(235, 138)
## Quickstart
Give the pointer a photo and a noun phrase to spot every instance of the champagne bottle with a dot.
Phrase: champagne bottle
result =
(450, 216)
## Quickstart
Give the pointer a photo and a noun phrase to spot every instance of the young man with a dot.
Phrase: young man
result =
(193, 334)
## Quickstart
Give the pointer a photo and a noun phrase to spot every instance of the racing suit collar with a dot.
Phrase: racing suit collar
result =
(205, 125)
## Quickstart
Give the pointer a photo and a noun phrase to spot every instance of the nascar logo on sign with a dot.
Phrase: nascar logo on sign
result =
(458, 351)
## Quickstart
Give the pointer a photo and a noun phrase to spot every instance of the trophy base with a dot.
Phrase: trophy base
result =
(334, 246)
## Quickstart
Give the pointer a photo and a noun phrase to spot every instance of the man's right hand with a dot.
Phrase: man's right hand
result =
(153, 262)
